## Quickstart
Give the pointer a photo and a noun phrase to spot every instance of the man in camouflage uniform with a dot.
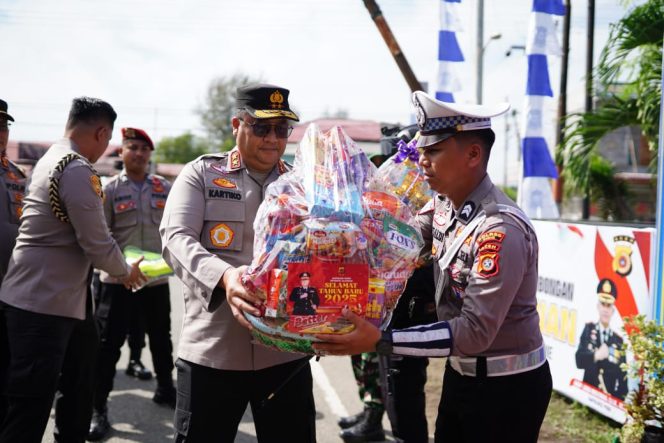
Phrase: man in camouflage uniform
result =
(46, 303)
(497, 382)
(133, 206)
(207, 235)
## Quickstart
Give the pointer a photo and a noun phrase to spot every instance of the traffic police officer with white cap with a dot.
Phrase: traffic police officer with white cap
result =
(497, 382)
(12, 190)
(134, 203)
(45, 295)
(207, 235)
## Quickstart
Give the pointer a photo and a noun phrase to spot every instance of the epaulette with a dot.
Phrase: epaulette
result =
(54, 184)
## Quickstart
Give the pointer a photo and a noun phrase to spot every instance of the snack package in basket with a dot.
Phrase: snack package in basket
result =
(323, 241)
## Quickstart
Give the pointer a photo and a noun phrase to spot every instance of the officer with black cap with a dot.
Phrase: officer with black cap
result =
(134, 204)
(600, 351)
(12, 190)
(304, 297)
(207, 236)
(486, 253)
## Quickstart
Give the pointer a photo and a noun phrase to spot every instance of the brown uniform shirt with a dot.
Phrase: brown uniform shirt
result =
(488, 292)
(207, 228)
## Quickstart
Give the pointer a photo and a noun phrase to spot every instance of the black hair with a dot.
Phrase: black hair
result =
(486, 137)
(90, 110)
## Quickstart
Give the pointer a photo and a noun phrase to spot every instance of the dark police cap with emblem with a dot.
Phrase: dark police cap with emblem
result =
(261, 100)
(304, 274)
(3, 111)
(440, 120)
(136, 134)
(607, 291)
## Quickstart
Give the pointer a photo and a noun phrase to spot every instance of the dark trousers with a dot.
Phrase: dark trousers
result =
(47, 353)
(211, 402)
(498, 409)
(405, 400)
(114, 315)
(136, 335)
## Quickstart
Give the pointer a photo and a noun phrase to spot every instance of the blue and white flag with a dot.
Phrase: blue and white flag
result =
(535, 194)
(449, 52)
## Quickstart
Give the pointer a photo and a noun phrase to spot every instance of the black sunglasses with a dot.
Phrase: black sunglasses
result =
(262, 129)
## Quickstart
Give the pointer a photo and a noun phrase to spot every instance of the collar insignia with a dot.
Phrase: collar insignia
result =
(234, 160)
(466, 211)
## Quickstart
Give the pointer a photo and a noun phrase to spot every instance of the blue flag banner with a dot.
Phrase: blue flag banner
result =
(535, 195)
(538, 76)
(537, 160)
(448, 47)
(555, 7)
(449, 51)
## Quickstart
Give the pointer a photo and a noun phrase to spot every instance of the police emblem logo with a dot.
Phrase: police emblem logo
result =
(160, 204)
(276, 100)
(224, 183)
(622, 260)
(221, 235)
(420, 115)
(487, 265)
(96, 185)
(129, 133)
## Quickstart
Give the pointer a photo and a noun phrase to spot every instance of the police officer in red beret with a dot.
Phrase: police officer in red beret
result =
(133, 206)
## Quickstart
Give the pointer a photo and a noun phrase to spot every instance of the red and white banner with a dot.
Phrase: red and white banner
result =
(590, 277)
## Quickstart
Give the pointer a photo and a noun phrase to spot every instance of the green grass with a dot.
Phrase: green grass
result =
(569, 421)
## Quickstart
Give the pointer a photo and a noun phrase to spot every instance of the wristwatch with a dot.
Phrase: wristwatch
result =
(384, 345)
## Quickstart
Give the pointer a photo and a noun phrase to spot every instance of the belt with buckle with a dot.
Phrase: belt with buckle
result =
(501, 365)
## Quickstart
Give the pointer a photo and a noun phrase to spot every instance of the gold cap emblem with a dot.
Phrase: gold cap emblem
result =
(276, 100)
(606, 287)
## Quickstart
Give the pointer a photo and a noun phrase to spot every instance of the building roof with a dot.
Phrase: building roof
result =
(358, 130)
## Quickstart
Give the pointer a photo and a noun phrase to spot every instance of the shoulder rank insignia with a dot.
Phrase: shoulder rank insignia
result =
(234, 160)
(157, 186)
(96, 185)
(281, 167)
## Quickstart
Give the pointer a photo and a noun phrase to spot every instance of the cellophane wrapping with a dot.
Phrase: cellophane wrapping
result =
(333, 219)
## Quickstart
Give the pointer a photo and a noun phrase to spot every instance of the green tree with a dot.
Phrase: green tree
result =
(629, 77)
(218, 109)
(180, 149)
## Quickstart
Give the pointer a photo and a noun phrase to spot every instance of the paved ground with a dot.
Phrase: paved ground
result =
(136, 418)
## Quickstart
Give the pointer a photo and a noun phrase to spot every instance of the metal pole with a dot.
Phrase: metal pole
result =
(392, 45)
(589, 88)
(562, 100)
(658, 289)
(480, 49)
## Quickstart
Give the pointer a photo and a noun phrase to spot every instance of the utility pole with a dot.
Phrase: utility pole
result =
(585, 210)
(562, 100)
(480, 49)
(392, 45)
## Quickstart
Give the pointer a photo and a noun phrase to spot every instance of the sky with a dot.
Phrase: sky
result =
(154, 59)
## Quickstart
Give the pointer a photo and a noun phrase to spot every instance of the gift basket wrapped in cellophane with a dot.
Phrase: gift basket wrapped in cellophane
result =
(329, 235)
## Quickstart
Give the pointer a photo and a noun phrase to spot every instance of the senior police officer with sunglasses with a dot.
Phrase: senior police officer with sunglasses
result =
(497, 382)
(207, 237)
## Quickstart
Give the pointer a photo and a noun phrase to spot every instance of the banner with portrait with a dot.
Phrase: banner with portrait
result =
(590, 277)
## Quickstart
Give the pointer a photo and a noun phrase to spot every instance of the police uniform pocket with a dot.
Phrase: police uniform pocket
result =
(125, 214)
(224, 225)
(157, 209)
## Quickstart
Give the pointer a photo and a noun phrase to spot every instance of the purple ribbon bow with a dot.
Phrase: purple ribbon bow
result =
(407, 150)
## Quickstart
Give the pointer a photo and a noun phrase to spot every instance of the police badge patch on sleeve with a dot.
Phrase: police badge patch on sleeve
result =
(96, 185)
(487, 265)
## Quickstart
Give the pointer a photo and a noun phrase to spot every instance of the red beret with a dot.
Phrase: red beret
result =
(136, 134)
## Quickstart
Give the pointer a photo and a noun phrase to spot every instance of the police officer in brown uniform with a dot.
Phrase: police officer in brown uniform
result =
(12, 191)
(46, 299)
(207, 234)
(497, 382)
(600, 352)
(133, 206)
